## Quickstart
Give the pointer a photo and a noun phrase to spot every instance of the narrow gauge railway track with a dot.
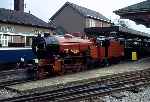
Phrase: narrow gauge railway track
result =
(10, 77)
(129, 80)
(13, 82)
(7, 72)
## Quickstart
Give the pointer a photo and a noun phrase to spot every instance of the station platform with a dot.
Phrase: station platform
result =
(81, 77)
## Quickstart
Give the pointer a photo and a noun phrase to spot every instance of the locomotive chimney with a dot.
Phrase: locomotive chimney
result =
(19, 5)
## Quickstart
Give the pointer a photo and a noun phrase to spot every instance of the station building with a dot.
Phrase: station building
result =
(18, 27)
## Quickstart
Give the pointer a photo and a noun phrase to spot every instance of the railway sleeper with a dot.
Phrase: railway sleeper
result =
(81, 95)
(120, 77)
(135, 90)
(124, 80)
(118, 95)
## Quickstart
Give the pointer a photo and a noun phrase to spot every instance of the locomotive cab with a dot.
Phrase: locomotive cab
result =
(44, 47)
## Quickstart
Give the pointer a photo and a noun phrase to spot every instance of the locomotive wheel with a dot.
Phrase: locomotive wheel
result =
(89, 63)
(62, 70)
(40, 73)
(84, 67)
(106, 62)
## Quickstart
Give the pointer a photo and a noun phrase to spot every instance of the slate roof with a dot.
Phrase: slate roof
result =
(85, 12)
(52, 24)
(139, 7)
(22, 18)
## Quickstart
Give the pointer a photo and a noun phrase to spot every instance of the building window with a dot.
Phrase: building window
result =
(92, 23)
(4, 40)
(10, 39)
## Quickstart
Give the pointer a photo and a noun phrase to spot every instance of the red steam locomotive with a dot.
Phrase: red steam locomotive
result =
(59, 54)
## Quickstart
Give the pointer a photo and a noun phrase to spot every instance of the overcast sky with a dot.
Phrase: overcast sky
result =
(44, 9)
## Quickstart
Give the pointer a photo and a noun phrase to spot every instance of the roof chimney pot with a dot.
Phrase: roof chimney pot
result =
(19, 5)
